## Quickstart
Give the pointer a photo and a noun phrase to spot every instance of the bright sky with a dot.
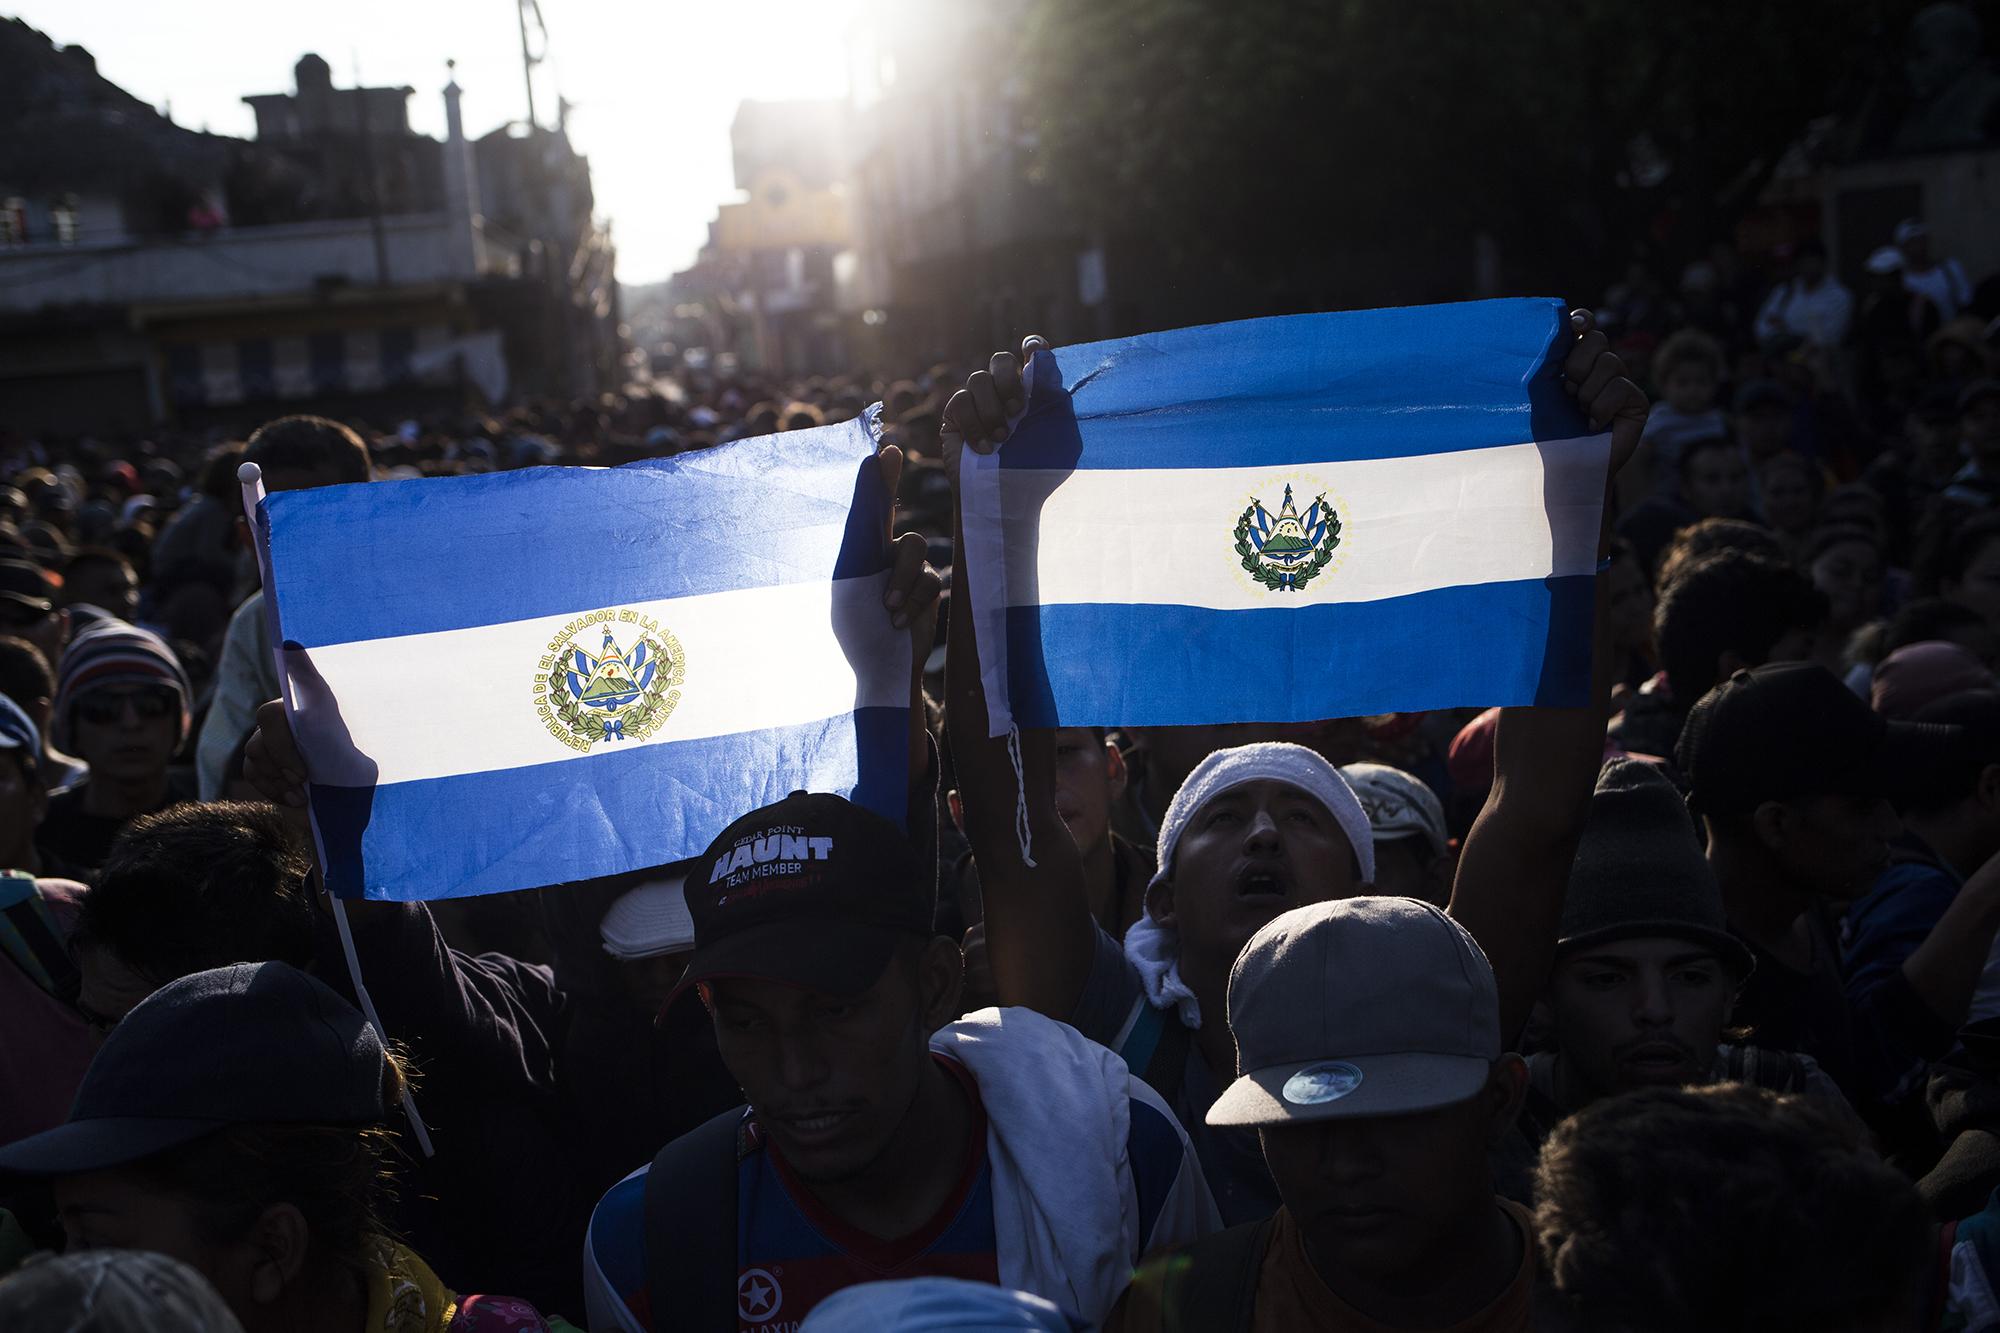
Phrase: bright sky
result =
(653, 83)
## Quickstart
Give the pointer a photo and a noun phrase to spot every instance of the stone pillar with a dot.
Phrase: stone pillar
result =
(461, 189)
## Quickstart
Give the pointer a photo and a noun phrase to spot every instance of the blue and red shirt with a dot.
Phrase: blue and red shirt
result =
(792, 1253)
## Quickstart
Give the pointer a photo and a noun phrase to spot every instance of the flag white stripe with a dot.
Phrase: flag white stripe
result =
(1167, 536)
(463, 701)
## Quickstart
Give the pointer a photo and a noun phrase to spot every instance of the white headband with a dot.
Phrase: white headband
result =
(1276, 761)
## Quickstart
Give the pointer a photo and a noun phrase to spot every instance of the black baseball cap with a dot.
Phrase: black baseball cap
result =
(27, 583)
(813, 891)
(1792, 729)
(255, 1043)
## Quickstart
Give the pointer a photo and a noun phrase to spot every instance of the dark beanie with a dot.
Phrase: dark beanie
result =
(1640, 870)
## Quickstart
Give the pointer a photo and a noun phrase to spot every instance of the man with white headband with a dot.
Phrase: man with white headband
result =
(1255, 831)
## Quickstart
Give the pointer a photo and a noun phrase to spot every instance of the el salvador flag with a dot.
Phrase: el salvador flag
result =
(527, 678)
(1283, 520)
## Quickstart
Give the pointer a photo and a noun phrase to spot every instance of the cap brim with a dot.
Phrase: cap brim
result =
(1389, 1085)
(823, 954)
(1910, 755)
(1734, 953)
(95, 1145)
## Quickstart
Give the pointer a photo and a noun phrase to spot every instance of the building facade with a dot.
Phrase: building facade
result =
(337, 262)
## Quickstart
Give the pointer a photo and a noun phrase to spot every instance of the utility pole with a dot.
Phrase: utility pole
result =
(528, 60)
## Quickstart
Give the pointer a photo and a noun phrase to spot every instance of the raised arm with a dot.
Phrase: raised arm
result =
(1039, 933)
(1515, 868)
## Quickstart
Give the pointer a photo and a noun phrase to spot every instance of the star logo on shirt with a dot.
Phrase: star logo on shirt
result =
(757, 1294)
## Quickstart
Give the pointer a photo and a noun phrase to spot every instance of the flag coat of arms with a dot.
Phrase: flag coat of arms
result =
(1283, 520)
(527, 678)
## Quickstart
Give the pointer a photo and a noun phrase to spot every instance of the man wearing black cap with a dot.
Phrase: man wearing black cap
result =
(1793, 777)
(28, 607)
(233, 1121)
(1646, 968)
(881, 1139)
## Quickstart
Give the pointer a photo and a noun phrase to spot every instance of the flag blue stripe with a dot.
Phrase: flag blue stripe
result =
(1469, 646)
(1304, 389)
(414, 557)
(605, 814)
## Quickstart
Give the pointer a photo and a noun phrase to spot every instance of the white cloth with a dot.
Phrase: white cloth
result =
(1820, 316)
(1273, 761)
(1154, 951)
(1944, 283)
(245, 680)
(1066, 1217)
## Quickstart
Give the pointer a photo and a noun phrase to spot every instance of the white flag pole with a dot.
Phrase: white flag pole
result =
(251, 477)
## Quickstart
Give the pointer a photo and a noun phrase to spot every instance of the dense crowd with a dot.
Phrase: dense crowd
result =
(1680, 1010)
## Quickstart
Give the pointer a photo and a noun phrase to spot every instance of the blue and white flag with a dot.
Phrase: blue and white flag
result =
(534, 677)
(1283, 520)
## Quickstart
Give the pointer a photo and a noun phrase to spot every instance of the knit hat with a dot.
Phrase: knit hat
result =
(1919, 674)
(1275, 761)
(113, 652)
(1640, 870)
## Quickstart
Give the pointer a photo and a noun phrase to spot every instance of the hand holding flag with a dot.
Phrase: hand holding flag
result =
(431, 794)
(1416, 527)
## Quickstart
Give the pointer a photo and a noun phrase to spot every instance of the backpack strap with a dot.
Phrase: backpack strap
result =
(1164, 1067)
(1209, 1286)
(691, 1228)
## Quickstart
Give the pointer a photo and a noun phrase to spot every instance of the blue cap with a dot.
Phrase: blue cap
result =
(923, 1304)
(253, 1043)
(17, 731)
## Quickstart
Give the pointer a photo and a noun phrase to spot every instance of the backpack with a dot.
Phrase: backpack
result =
(691, 1227)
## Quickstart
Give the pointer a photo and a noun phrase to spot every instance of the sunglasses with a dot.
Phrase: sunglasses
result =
(103, 709)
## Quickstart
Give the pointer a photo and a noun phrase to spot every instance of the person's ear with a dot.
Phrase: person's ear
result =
(941, 981)
(1773, 824)
(1505, 1091)
(1115, 776)
(277, 1243)
(1988, 788)
(1160, 903)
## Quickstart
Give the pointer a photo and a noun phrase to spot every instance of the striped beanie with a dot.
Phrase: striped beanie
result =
(112, 652)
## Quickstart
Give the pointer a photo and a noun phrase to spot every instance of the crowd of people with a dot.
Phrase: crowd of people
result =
(1678, 1010)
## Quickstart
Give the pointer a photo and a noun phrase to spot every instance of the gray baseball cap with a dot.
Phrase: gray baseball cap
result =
(1399, 805)
(1361, 1007)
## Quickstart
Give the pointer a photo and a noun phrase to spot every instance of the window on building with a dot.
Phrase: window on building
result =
(13, 221)
(65, 219)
